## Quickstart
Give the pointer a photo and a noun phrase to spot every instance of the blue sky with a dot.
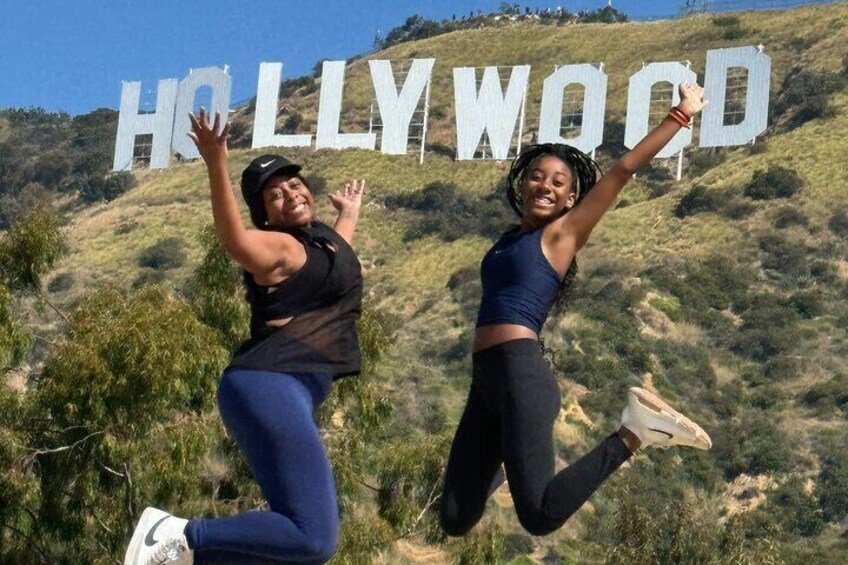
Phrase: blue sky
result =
(72, 56)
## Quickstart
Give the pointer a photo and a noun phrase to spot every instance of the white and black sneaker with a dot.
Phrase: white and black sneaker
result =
(158, 539)
(657, 424)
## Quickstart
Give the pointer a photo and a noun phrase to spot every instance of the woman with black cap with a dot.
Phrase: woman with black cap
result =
(304, 285)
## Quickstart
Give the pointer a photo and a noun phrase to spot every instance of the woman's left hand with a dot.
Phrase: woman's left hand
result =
(691, 99)
(350, 199)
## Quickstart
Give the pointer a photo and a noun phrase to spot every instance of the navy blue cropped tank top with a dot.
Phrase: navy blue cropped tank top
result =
(519, 283)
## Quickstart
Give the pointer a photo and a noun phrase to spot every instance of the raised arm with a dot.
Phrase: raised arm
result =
(348, 202)
(258, 251)
(579, 222)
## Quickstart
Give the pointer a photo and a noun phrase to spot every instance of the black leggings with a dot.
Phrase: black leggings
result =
(509, 417)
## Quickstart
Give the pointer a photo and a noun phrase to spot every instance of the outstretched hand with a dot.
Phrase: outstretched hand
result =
(691, 99)
(211, 141)
(350, 199)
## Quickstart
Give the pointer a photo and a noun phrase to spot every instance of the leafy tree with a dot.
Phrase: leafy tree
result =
(30, 249)
(215, 290)
(119, 418)
(410, 476)
(15, 340)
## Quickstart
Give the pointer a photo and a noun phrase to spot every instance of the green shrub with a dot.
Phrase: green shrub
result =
(768, 329)
(751, 444)
(838, 223)
(685, 363)
(168, 253)
(796, 510)
(483, 546)
(697, 200)
(705, 159)
(784, 255)
(789, 216)
(61, 282)
(361, 536)
(726, 21)
(516, 545)
(815, 108)
(736, 208)
(828, 396)
(464, 285)
(682, 531)
(808, 304)
(445, 211)
(806, 94)
(409, 474)
(95, 188)
(781, 368)
(774, 182)
(766, 397)
(832, 485)
(148, 276)
(824, 272)
(700, 199)
(15, 206)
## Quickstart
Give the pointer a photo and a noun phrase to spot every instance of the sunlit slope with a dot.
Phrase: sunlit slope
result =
(174, 201)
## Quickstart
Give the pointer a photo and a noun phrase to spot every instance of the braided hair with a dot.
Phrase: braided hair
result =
(584, 176)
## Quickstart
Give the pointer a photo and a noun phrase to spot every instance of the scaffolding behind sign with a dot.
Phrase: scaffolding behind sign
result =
(417, 135)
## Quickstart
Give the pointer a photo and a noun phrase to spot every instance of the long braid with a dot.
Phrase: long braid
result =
(584, 176)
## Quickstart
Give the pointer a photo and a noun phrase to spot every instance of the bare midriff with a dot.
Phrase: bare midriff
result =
(489, 336)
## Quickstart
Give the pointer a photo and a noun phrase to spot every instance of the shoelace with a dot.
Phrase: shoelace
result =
(168, 551)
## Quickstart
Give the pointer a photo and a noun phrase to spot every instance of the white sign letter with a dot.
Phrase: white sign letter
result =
(221, 84)
(639, 103)
(713, 131)
(330, 109)
(131, 124)
(594, 82)
(489, 111)
(265, 115)
(396, 109)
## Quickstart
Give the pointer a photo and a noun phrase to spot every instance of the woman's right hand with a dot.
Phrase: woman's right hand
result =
(211, 141)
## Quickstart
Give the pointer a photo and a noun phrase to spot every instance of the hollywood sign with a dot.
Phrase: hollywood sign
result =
(488, 109)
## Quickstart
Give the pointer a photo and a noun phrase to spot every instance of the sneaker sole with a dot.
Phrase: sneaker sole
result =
(137, 542)
(657, 404)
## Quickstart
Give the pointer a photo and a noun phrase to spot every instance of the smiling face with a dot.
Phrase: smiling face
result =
(288, 202)
(546, 191)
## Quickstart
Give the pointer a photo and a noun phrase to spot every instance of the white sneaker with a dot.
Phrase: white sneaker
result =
(657, 424)
(173, 551)
(157, 536)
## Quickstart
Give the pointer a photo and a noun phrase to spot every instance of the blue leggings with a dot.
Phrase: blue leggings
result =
(270, 417)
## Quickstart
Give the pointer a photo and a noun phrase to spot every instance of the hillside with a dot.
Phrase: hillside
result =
(728, 296)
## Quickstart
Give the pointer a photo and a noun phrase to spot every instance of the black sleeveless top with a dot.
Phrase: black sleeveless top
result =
(324, 300)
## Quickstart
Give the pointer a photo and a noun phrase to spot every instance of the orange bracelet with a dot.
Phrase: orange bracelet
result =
(680, 117)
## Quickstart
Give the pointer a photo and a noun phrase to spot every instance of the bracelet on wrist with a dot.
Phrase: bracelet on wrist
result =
(680, 117)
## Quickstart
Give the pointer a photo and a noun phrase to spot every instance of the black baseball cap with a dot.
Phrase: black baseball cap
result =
(261, 169)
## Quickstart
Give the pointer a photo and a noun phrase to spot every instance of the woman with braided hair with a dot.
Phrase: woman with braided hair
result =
(514, 397)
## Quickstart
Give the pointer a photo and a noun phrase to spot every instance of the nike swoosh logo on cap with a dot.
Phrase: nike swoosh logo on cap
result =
(670, 436)
(148, 539)
(263, 165)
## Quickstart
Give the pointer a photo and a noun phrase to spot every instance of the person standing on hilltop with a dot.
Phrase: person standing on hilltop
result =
(514, 398)
(304, 285)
